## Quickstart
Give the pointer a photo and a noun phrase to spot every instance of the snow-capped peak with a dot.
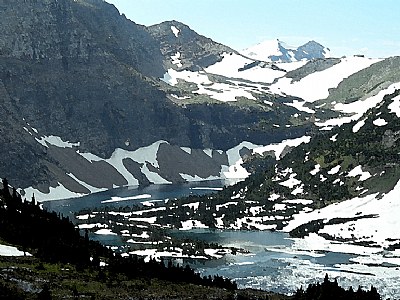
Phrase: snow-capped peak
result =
(263, 51)
(278, 51)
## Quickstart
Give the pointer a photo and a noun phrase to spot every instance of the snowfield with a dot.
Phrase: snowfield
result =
(316, 85)
(380, 224)
(232, 63)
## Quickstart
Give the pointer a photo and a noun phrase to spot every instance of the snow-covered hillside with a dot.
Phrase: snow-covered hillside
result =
(159, 163)
(249, 78)
(317, 85)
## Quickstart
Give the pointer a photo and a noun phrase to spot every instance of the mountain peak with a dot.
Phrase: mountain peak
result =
(184, 48)
(278, 51)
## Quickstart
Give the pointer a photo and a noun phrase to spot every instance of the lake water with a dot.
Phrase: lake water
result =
(152, 192)
(271, 264)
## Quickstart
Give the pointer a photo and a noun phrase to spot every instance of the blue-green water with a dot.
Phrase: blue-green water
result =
(157, 191)
(271, 263)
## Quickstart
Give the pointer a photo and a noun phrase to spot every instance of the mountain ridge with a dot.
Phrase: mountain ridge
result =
(92, 94)
(278, 51)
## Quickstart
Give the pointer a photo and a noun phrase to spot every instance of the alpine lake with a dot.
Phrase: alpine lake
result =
(268, 261)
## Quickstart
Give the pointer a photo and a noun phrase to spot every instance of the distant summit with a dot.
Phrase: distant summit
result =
(183, 48)
(278, 51)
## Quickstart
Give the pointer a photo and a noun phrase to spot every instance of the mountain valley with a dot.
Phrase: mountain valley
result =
(309, 143)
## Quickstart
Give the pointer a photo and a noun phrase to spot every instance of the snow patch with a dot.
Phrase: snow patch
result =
(176, 59)
(278, 148)
(316, 169)
(379, 122)
(190, 224)
(12, 251)
(58, 192)
(105, 231)
(56, 141)
(395, 106)
(357, 171)
(334, 170)
(119, 199)
(175, 31)
(358, 126)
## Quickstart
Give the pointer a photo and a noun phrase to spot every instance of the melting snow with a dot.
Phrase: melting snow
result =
(357, 171)
(280, 206)
(58, 192)
(190, 224)
(11, 251)
(299, 105)
(231, 63)
(379, 230)
(119, 199)
(176, 59)
(334, 170)
(379, 122)
(175, 31)
(273, 197)
(334, 138)
(225, 92)
(105, 231)
(307, 88)
(358, 126)
(358, 108)
(56, 141)
(317, 168)
(278, 148)
(395, 106)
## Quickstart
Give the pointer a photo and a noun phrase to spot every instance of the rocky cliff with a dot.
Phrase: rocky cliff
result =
(79, 73)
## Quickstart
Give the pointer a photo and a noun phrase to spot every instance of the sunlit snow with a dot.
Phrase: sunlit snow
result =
(231, 63)
(175, 31)
(316, 169)
(379, 122)
(262, 51)
(119, 199)
(334, 170)
(280, 147)
(11, 251)
(357, 171)
(56, 141)
(395, 106)
(58, 192)
(316, 85)
(358, 126)
(381, 229)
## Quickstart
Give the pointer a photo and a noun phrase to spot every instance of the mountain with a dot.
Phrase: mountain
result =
(83, 108)
(92, 100)
(278, 51)
(185, 49)
(336, 188)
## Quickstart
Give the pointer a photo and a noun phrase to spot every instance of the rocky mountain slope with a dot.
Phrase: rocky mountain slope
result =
(92, 101)
(77, 77)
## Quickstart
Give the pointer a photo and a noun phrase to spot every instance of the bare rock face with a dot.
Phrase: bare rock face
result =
(195, 51)
(78, 70)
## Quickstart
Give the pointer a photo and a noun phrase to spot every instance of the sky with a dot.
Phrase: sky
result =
(346, 27)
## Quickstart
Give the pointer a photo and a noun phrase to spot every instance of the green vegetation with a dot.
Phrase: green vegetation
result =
(66, 261)
(30, 278)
